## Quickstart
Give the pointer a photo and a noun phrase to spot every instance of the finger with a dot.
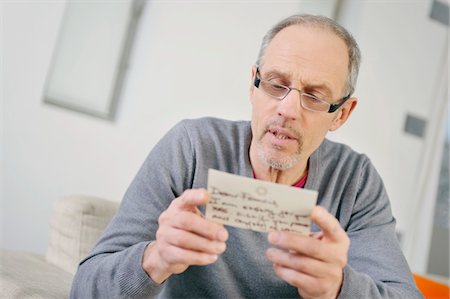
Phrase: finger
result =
(200, 226)
(192, 198)
(190, 241)
(296, 279)
(299, 263)
(309, 286)
(173, 255)
(300, 244)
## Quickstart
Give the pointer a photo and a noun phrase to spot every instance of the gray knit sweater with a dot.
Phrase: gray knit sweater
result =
(349, 187)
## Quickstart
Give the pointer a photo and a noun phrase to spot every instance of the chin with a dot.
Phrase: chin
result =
(278, 161)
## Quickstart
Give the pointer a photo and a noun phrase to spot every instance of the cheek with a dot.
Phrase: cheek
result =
(315, 131)
(320, 122)
(261, 111)
(256, 116)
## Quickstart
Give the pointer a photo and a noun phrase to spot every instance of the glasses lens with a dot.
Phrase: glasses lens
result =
(275, 90)
(312, 103)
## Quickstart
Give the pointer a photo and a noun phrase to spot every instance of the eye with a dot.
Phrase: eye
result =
(277, 86)
(273, 89)
(276, 89)
(313, 98)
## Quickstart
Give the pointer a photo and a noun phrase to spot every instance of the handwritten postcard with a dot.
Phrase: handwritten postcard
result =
(258, 205)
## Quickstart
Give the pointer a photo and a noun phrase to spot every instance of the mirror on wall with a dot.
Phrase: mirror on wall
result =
(90, 56)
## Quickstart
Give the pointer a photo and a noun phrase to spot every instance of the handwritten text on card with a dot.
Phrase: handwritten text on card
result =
(257, 205)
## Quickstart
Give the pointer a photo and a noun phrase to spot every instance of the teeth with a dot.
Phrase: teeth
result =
(280, 136)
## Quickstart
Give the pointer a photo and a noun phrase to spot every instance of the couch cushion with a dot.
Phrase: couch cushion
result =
(76, 225)
(27, 275)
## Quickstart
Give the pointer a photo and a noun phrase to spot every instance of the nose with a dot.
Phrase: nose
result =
(290, 106)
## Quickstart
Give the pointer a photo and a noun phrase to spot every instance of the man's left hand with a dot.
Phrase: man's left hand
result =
(313, 264)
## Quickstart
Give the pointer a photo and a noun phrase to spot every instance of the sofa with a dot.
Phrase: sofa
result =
(76, 224)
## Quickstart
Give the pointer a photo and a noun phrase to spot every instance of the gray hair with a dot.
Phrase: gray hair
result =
(354, 53)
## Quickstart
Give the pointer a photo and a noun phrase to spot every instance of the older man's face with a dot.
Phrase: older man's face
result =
(310, 59)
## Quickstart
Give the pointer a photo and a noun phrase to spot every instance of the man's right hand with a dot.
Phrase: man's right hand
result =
(184, 238)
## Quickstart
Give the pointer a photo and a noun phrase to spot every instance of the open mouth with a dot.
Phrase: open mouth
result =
(282, 134)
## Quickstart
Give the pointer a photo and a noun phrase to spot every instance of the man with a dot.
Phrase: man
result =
(160, 243)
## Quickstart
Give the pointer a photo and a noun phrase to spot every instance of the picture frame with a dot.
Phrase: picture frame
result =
(90, 57)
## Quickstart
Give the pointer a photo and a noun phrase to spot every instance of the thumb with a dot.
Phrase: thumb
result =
(330, 226)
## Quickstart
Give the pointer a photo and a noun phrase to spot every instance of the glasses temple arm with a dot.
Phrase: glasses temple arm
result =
(334, 107)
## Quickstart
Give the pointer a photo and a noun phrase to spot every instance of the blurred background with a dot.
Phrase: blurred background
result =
(84, 126)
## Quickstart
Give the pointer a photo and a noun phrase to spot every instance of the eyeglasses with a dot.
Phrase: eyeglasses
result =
(308, 101)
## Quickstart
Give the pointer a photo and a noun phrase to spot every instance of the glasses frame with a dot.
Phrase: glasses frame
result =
(332, 107)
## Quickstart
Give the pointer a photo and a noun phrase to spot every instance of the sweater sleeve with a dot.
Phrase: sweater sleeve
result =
(376, 267)
(113, 269)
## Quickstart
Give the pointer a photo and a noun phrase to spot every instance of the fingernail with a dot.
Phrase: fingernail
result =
(222, 235)
(213, 258)
(274, 237)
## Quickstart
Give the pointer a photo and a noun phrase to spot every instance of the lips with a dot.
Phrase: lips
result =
(282, 133)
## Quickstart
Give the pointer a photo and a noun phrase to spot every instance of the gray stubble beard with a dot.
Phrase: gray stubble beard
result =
(280, 164)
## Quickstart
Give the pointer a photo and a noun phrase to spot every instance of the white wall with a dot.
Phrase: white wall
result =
(190, 60)
(404, 54)
(2, 113)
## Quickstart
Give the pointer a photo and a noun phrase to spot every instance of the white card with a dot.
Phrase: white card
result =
(258, 205)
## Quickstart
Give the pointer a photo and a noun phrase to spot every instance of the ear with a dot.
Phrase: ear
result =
(343, 113)
(252, 87)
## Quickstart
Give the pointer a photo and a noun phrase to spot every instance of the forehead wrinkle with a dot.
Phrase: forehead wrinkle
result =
(275, 72)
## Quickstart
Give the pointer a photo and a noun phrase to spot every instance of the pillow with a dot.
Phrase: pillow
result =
(76, 225)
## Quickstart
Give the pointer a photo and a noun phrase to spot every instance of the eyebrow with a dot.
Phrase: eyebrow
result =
(306, 85)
